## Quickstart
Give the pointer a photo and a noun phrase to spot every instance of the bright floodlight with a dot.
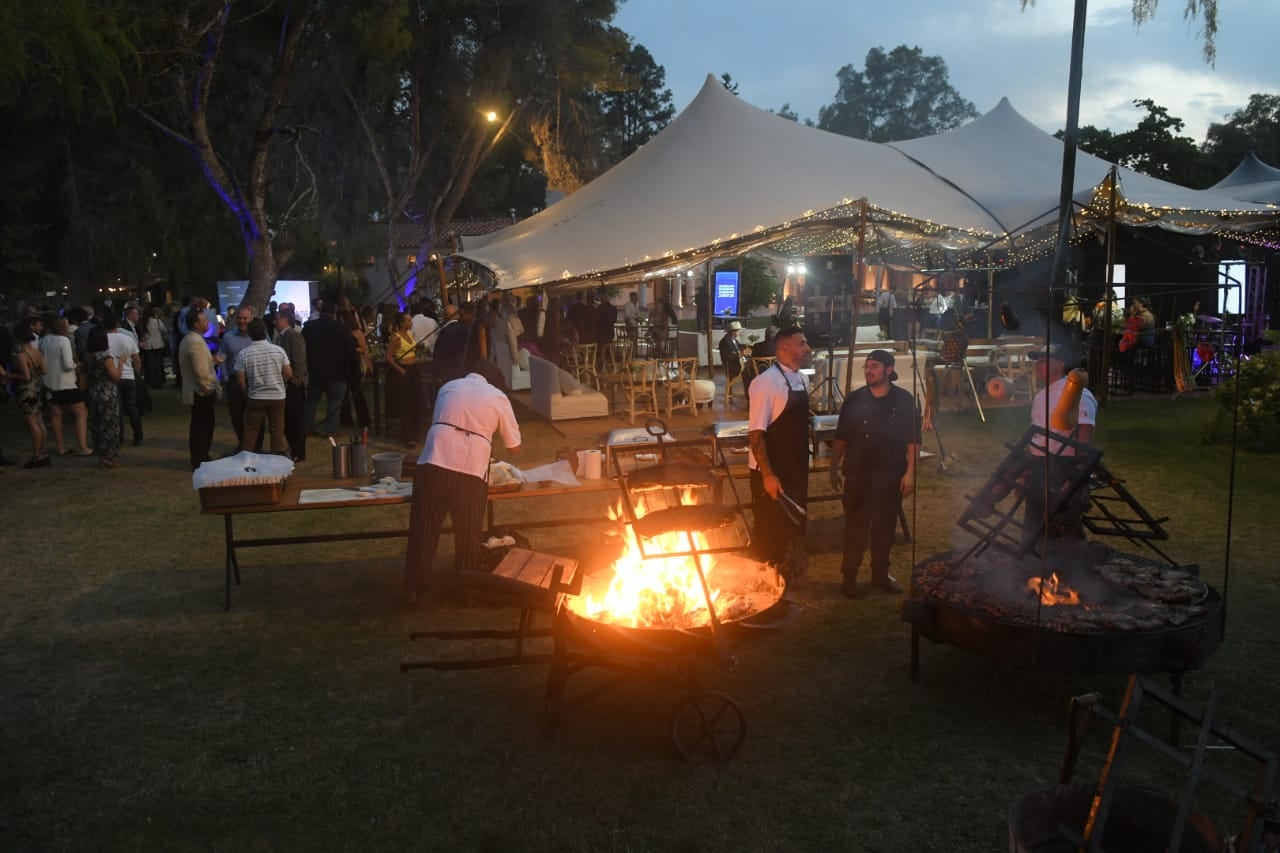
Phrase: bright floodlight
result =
(491, 116)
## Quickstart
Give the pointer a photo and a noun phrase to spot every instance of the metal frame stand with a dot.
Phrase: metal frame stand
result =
(1259, 797)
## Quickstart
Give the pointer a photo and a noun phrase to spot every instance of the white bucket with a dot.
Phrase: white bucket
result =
(387, 465)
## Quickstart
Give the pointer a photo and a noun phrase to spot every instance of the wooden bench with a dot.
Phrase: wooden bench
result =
(532, 579)
(534, 582)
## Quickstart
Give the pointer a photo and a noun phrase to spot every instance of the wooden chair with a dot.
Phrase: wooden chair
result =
(1012, 363)
(583, 365)
(760, 364)
(639, 389)
(680, 374)
(613, 375)
(730, 381)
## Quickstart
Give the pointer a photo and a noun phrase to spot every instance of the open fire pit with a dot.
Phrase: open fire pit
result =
(1100, 610)
(680, 592)
(1082, 606)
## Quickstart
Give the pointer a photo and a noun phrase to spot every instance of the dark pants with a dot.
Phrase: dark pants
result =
(129, 408)
(295, 420)
(870, 518)
(355, 399)
(236, 402)
(405, 398)
(200, 433)
(335, 392)
(153, 365)
(438, 492)
(1062, 516)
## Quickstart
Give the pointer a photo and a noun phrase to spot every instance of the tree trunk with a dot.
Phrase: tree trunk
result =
(262, 272)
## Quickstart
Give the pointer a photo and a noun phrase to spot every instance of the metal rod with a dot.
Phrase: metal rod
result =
(1070, 136)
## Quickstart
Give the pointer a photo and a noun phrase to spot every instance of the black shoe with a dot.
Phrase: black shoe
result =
(42, 462)
(137, 441)
(4, 461)
(888, 584)
(850, 589)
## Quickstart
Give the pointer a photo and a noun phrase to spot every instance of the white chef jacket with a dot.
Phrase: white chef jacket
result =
(467, 413)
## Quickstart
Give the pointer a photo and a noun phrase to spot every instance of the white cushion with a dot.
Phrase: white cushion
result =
(545, 397)
(569, 386)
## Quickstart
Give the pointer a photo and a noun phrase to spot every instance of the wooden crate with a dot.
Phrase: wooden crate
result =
(260, 494)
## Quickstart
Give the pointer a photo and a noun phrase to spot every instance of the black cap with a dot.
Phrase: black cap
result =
(883, 356)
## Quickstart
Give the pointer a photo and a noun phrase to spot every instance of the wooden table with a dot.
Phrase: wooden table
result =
(289, 502)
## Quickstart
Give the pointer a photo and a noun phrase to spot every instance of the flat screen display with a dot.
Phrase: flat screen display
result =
(725, 291)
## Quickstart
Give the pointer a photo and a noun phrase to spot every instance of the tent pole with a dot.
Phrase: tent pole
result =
(444, 286)
(1070, 135)
(859, 270)
(711, 316)
(991, 302)
(1107, 337)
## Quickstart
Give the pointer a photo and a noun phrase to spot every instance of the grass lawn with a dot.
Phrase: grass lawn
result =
(138, 715)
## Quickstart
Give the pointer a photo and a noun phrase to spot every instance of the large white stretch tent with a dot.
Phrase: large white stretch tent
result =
(725, 177)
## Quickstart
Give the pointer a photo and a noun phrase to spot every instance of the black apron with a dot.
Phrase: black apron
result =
(786, 442)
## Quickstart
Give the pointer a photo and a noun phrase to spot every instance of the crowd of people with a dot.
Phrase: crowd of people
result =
(94, 370)
(88, 365)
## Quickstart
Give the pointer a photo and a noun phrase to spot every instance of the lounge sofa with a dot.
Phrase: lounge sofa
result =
(547, 387)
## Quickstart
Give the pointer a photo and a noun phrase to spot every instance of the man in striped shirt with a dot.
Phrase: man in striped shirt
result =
(261, 370)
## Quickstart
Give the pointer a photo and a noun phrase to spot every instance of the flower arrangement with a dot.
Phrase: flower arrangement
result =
(1258, 398)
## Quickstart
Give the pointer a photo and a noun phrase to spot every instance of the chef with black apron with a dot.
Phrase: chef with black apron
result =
(779, 461)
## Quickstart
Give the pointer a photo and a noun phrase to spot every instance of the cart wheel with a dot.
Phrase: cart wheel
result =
(708, 727)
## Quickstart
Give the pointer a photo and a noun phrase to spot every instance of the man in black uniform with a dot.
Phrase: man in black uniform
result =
(778, 429)
(873, 463)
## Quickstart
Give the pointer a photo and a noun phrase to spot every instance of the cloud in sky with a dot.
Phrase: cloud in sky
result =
(991, 49)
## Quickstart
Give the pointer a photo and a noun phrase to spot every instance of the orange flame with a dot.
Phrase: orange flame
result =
(657, 591)
(1053, 592)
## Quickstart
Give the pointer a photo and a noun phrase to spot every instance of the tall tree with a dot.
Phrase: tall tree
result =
(63, 64)
(443, 84)
(789, 114)
(262, 45)
(635, 105)
(1254, 128)
(902, 94)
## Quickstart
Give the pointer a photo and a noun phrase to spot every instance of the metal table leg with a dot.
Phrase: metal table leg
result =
(232, 564)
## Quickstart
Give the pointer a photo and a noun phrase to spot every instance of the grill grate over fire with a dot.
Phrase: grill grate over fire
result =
(655, 582)
(1090, 589)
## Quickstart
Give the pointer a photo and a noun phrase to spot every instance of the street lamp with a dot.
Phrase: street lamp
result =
(491, 116)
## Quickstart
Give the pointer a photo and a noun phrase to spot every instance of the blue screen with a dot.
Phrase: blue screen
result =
(726, 293)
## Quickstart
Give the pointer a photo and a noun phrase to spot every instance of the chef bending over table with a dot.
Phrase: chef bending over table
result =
(453, 471)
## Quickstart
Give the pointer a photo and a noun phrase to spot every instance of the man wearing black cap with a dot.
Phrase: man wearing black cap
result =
(873, 464)
(453, 471)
